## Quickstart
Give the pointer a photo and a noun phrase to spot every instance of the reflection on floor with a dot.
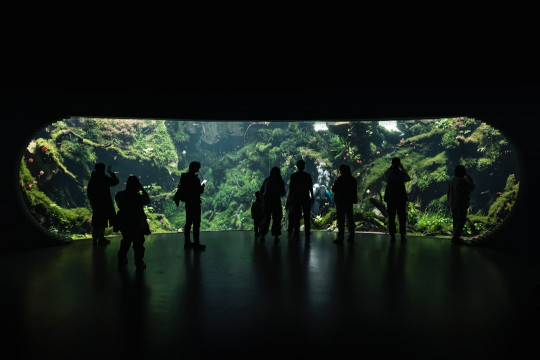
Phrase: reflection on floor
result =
(424, 298)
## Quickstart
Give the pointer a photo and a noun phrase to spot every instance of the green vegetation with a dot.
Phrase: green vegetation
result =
(236, 157)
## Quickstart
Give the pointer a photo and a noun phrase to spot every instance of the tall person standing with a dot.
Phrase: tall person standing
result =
(99, 195)
(301, 198)
(396, 198)
(272, 190)
(345, 196)
(193, 188)
(459, 195)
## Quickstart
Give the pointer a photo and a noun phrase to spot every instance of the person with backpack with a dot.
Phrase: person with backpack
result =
(189, 191)
(132, 221)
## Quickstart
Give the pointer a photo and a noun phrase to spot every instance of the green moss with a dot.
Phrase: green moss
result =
(426, 136)
(503, 205)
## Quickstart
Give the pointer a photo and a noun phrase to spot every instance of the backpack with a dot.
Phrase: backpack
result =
(179, 195)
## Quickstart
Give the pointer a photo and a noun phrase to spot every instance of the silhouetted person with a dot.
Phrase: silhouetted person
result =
(99, 195)
(257, 213)
(320, 194)
(301, 198)
(132, 221)
(345, 196)
(272, 189)
(459, 195)
(193, 188)
(396, 198)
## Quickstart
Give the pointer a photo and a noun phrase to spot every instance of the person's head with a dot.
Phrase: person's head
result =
(345, 170)
(257, 195)
(275, 172)
(396, 162)
(100, 167)
(194, 167)
(133, 183)
(460, 171)
(301, 164)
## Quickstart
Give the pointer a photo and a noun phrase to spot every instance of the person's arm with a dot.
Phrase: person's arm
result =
(311, 189)
(202, 187)
(113, 179)
(145, 197)
(469, 179)
(406, 176)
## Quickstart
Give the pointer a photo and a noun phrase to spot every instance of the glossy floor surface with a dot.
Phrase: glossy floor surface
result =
(295, 299)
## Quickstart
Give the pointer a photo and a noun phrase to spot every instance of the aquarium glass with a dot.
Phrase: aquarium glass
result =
(236, 156)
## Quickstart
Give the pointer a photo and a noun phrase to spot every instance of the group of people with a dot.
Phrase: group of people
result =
(131, 220)
(267, 205)
(266, 210)
(458, 194)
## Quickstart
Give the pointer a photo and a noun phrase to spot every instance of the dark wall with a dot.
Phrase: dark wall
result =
(508, 105)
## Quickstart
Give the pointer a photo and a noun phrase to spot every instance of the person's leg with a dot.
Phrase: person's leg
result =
(125, 243)
(459, 217)
(306, 207)
(402, 217)
(138, 251)
(265, 221)
(256, 226)
(197, 228)
(351, 226)
(392, 221)
(297, 215)
(277, 216)
(340, 213)
(187, 227)
(95, 235)
(101, 236)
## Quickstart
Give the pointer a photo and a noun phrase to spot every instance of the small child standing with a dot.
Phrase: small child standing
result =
(257, 213)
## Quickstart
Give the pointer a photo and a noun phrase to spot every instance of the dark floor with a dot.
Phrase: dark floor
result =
(424, 299)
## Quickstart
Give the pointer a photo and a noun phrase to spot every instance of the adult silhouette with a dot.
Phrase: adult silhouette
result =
(193, 190)
(132, 221)
(459, 191)
(301, 198)
(99, 195)
(345, 196)
(272, 189)
(257, 213)
(396, 198)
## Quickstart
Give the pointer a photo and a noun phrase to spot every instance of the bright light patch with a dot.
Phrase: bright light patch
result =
(320, 126)
(390, 125)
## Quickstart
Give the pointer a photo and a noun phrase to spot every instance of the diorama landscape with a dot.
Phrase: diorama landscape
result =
(236, 156)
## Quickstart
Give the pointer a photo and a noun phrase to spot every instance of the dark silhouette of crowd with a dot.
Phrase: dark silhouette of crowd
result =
(266, 209)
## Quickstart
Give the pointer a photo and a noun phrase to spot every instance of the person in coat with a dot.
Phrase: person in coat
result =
(396, 198)
(459, 191)
(132, 221)
(345, 196)
(99, 196)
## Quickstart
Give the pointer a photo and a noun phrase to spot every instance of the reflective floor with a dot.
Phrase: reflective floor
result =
(425, 299)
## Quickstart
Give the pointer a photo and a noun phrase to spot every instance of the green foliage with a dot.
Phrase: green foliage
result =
(236, 167)
(504, 203)
(434, 222)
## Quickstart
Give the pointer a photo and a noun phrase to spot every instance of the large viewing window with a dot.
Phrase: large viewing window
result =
(236, 156)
